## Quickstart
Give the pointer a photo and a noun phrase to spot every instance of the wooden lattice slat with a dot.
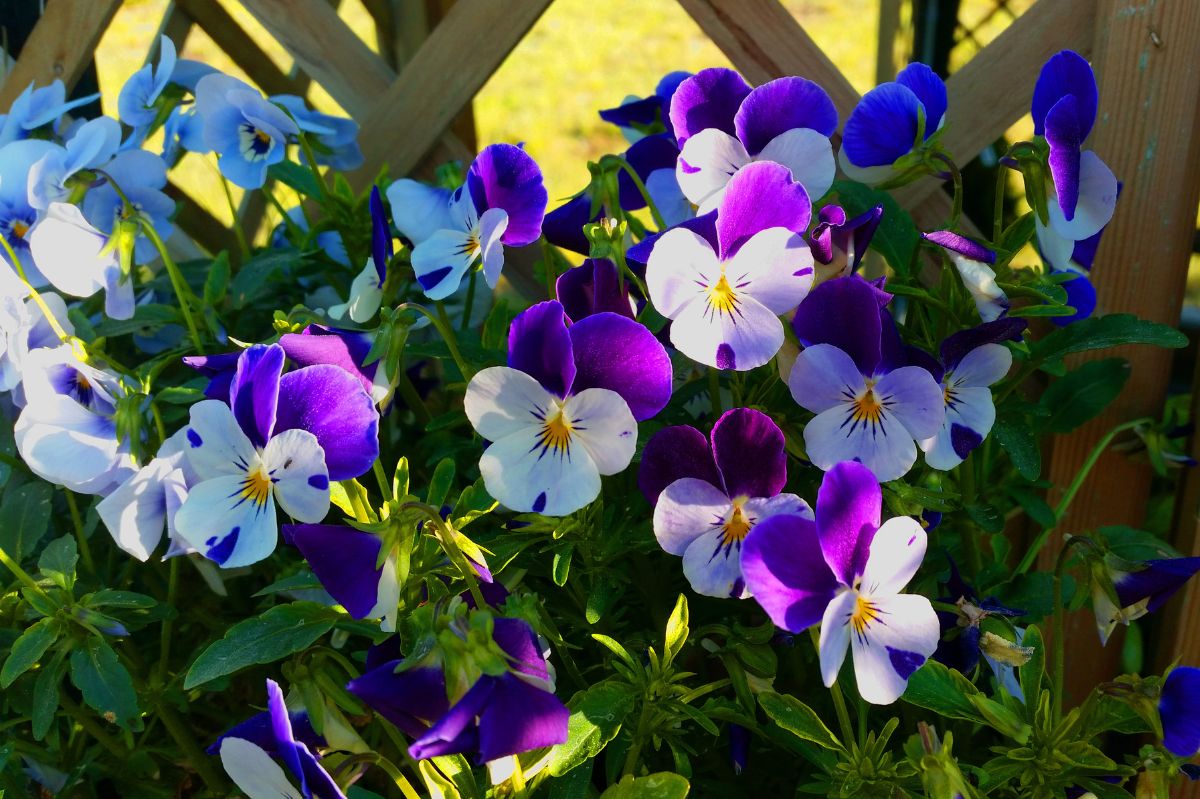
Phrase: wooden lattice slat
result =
(60, 45)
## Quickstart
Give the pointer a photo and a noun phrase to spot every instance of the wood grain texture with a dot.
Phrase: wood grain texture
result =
(238, 45)
(60, 45)
(439, 81)
(1147, 60)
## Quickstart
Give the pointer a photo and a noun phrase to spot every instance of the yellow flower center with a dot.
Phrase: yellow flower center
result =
(556, 433)
(721, 297)
(19, 229)
(736, 526)
(256, 487)
(864, 613)
(262, 136)
(867, 407)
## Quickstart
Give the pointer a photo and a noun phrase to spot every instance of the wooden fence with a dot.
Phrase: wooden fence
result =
(1147, 58)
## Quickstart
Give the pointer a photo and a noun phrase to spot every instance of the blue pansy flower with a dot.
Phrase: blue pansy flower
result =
(1139, 589)
(636, 115)
(1179, 710)
(17, 216)
(36, 108)
(136, 103)
(91, 145)
(246, 130)
(887, 121)
(366, 292)
(336, 138)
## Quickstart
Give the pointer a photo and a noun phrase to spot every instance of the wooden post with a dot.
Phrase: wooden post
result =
(60, 46)
(1147, 60)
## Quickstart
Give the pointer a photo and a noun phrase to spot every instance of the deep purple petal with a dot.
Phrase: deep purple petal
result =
(219, 369)
(915, 356)
(259, 730)
(254, 393)
(592, 288)
(1158, 581)
(563, 227)
(539, 345)
(330, 403)
(520, 642)
(882, 127)
(785, 572)
(704, 226)
(1084, 254)
(344, 561)
(672, 454)
(617, 353)
(520, 717)
(281, 727)
(1065, 136)
(381, 235)
(505, 176)
(646, 155)
(849, 504)
(748, 449)
(454, 732)
(1179, 709)
(1066, 73)
(315, 780)
(708, 99)
(930, 89)
(781, 105)
(843, 312)
(962, 245)
(956, 346)
(635, 112)
(1081, 295)
(319, 344)
(412, 699)
(861, 229)
(761, 195)
(892, 353)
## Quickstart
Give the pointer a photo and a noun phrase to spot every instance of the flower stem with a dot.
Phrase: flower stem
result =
(998, 204)
(465, 325)
(956, 177)
(714, 391)
(385, 487)
(85, 551)
(839, 701)
(446, 537)
(287, 221)
(22, 575)
(966, 474)
(89, 725)
(191, 750)
(243, 246)
(182, 292)
(641, 187)
(164, 639)
(1060, 613)
(37, 298)
(397, 776)
(1073, 489)
(411, 398)
(311, 158)
(439, 322)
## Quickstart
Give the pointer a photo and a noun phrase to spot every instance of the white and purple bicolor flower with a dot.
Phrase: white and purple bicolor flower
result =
(36, 108)
(335, 139)
(565, 409)
(593, 287)
(141, 176)
(24, 328)
(79, 260)
(247, 131)
(491, 717)
(891, 121)
(500, 205)
(971, 361)
(839, 243)
(846, 571)
(67, 434)
(253, 769)
(17, 216)
(722, 125)
(136, 105)
(725, 284)
(281, 437)
(1140, 588)
(636, 115)
(870, 406)
(346, 561)
(974, 264)
(707, 499)
(348, 349)
(1179, 711)
(366, 292)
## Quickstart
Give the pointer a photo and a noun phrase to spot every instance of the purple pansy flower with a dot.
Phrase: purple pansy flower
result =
(348, 349)
(637, 114)
(253, 770)
(839, 243)
(971, 361)
(501, 204)
(722, 125)
(886, 123)
(708, 498)
(845, 571)
(493, 715)
(869, 405)
(246, 130)
(593, 287)
(366, 292)
(974, 264)
(219, 369)
(1141, 588)
(565, 409)
(725, 292)
(1179, 710)
(282, 436)
(346, 561)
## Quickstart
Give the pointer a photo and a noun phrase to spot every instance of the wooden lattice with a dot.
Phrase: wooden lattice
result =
(1147, 57)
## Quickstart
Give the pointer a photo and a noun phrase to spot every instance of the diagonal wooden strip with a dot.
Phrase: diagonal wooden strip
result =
(440, 80)
(60, 45)
(238, 45)
(994, 88)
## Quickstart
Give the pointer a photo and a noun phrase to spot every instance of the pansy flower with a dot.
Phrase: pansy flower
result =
(1139, 588)
(846, 571)
(722, 125)
(79, 260)
(141, 176)
(246, 130)
(36, 108)
(839, 242)
(888, 121)
(281, 438)
(504, 708)
(348, 349)
(1179, 711)
(67, 432)
(346, 561)
(971, 361)
(136, 105)
(974, 264)
(636, 115)
(92, 144)
(565, 409)
(708, 498)
(335, 139)
(255, 772)
(593, 287)
(366, 292)
(725, 295)
(500, 205)
(870, 406)
(24, 327)
(17, 216)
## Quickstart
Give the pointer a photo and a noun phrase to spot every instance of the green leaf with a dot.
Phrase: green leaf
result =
(1043, 311)
(1035, 507)
(1083, 393)
(58, 560)
(897, 237)
(677, 631)
(24, 517)
(217, 282)
(562, 564)
(106, 685)
(663, 785)
(295, 176)
(119, 599)
(281, 631)
(1018, 441)
(1136, 545)
(799, 719)
(251, 279)
(45, 694)
(301, 581)
(149, 315)
(987, 517)
(944, 691)
(27, 650)
(1033, 671)
(1100, 332)
(440, 483)
(596, 718)
(574, 784)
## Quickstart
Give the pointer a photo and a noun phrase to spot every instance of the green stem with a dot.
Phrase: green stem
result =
(446, 537)
(85, 550)
(1073, 489)
(243, 246)
(182, 292)
(998, 204)
(23, 576)
(37, 298)
(550, 262)
(624, 270)
(311, 158)
(290, 223)
(385, 486)
(412, 399)
(397, 776)
(641, 187)
(839, 701)
(714, 391)
(1060, 614)
(465, 325)
(635, 745)
(520, 790)
(863, 727)
(89, 725)
(966, 476)
(956, 177)
(447, 334)
(164, 638)
(201, 762)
